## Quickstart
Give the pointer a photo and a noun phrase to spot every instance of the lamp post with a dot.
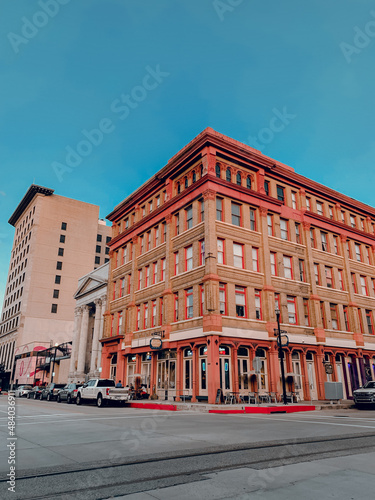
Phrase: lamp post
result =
(281, 355)
(53, 364)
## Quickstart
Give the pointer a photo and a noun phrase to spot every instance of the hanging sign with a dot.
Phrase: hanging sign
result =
(156, 343)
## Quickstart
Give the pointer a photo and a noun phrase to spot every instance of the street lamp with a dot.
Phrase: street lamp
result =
(281, 354)
(53, 364)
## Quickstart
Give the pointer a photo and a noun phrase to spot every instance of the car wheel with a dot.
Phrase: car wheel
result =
(99, 401)
(68, 399)
(48, 397)
(35, 396)
(41, 397)
(58, 399)
(28, 396)
(79, 399)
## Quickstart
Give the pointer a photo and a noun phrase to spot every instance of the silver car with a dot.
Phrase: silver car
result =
(22, 390)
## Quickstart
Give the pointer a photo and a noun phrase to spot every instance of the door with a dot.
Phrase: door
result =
(203, 391)
(311, 376)
(225, 369)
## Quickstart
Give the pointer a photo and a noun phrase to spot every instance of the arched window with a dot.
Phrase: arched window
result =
(228, 175)
(186, 182)
(238, 179)
(260, 353)
(224, 350)
(188, 353)
(248, 182)
(203, 351)
(218, 171)
(194, 176)
(243, 351)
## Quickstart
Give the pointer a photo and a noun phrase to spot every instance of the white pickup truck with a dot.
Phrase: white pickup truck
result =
(102, 391)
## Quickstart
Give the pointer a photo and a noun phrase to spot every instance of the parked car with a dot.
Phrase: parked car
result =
(68, 393)
(35, 392)
(22, 390)
(50, 392)
(102, 391)
(365, 395)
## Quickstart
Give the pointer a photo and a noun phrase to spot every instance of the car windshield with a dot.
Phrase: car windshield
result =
(369, 385)
(106, 383)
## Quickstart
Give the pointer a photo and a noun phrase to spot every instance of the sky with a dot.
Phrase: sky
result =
(97, 95)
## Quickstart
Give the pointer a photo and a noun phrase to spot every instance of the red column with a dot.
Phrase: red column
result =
(195, 375)
(179, 378)
(213, 369)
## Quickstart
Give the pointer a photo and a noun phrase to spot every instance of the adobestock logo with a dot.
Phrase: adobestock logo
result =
(30, 28)
(361, 39)
(277, 124)
(221, 7)
(122, 108)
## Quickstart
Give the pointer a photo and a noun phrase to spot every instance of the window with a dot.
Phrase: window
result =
(201, 212)
(148, 240)
(177, 224)
(284, 229)
(298, 233)
(346, 320)
(288, 267)
(334, 317)
(308, 203)
(108, 239)
(99, 237)
(219, 209)
(322, 311)
(63, 226)
(98, 249)
(217, 171)
(369, 321)
(164, 233)
(201, 289)
(139, 279)
(324, 241)
(343, 217)
(280, 193)
(62, 238)
(220, 251)
(238, 179)
(368, 258)
(301, 267)
(348, 249)
(222, 298)
(156, 233)
(236, 214)
(253, 225)
(352, 221)
(341, 279)
(189, 217)
(312, 237)
(59, 265)
(124, 254)
(162, 277)
(147, 277)
(373, 286)
(248, 182)
(138, 327)
(153, 315)
(330, 212)
(54, 308)
(364, 290)
(161, 310)
(186, 183)
(107, 250)
(60, 252)
(335, 245)
(329, 281)
(154, 273)
(316, 274)
(258, 304)
(194, 176)
(362, 224)
(238, 255)
(292, 314)
(358, 252)
(273, 263)
(145, 316)
(255, 260)
(270, 224)
(141, 249)
(176, 263)
(189, 258)
(114, 290)
(119, 323)
(189, 303)
(201, 253)
(360, 319)
(319, 208)
(354, 284)
(56, 294)
(228, 175)
(175, 306)
(144, 209)
(267, 187)
(122, 287)
(294, 199)
(306, 312)
(240, 300)
(57, 279)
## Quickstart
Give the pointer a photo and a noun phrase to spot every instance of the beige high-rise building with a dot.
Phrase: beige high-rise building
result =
(57, 240)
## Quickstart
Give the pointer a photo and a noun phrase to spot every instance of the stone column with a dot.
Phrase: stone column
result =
(83, 341)
(101, 332)
(95, 339)
(75, 343)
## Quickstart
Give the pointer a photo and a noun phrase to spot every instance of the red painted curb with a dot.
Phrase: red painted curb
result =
(153, 406)
(278, 409)
(226, 411)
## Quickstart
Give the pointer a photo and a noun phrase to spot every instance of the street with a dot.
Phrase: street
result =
(85, 452)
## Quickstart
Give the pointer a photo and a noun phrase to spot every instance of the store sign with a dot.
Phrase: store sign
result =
(284, 340)
(156, 343)
(328, 368)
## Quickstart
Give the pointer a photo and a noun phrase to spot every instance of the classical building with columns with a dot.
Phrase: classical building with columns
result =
(91, 299)
(205, 252)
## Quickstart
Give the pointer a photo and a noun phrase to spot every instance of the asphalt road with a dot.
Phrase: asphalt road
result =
(66, 451)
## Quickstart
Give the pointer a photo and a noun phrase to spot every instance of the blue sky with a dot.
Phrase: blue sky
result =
(68, 66)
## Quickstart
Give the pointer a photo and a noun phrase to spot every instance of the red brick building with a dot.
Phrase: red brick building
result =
(204, 252)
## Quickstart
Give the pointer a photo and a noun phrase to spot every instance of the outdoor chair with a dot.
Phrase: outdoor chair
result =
(253, 398)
